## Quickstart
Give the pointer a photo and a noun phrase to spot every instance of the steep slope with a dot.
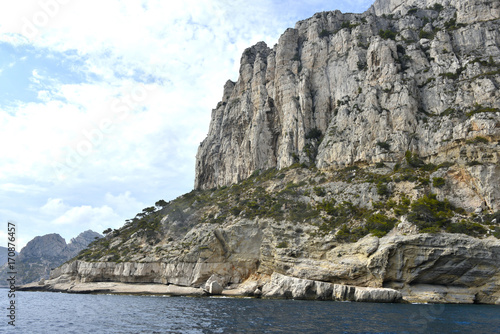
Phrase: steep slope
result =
(351, 89)
(354, 226)
(355, 160)
(44, 253)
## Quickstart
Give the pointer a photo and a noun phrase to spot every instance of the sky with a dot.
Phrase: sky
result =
(103, 104)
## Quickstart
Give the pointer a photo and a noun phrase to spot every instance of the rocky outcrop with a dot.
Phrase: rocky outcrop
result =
(44, 253)
(344, 89)
(356, 160)
(470, 11)
(290, 287)
(444, 268)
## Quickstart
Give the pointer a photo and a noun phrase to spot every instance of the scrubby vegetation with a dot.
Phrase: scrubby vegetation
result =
(387, 34)
(300, 195)
(480, 109)
(430, 214)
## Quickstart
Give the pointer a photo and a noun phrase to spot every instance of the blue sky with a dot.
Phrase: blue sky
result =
(103, 104)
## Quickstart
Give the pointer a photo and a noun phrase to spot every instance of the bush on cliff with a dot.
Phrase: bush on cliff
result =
(379, 224)
(430, 214)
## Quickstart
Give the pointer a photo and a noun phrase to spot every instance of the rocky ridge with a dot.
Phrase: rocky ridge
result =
(355, 160)
(43, 253)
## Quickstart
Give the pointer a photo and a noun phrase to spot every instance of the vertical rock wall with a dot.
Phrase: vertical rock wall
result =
(342, 89)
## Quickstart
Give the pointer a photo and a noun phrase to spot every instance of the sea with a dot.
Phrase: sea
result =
(49, 312)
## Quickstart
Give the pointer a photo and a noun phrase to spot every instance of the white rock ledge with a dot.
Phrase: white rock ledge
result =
(279, 286)
(282, 286)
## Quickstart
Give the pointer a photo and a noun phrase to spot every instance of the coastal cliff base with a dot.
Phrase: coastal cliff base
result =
(419, 268)
(277, 286)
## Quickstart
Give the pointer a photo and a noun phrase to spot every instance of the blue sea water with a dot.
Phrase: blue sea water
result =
(46, 312)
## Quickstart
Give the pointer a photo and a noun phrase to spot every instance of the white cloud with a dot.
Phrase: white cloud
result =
(86, 216)
(21, 188)
(36, 75)
(54, 207)
(125, 204)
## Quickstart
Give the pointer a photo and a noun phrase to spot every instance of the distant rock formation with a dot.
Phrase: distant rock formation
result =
(44, 253)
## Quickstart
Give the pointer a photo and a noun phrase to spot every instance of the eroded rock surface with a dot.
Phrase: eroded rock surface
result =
(343, 89)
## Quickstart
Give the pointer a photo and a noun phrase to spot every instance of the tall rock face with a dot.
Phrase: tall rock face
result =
(44, 253)
(356, 89)
(469, 11)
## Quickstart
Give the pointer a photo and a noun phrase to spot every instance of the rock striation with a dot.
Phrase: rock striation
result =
(356, 160)
(296, 288)
(449, 268)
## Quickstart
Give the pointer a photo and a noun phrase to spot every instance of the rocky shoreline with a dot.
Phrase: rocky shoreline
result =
(421, 268)
(415, 268)
(278, 286)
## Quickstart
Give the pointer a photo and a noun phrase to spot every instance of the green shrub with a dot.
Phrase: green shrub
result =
(429, 214)
(437, 7)
(403, 207)
(348, 25)
(413, 160)
(478, 140)
(438, 182)
(429, 167)
(412, 11)
(451, 75)
(493, 218)
(235, 211)
(447, 112)
(496, 233)
(425, 34)
(324, 33)
(346, 234)
(480, 109)
(301, 212)
(343, 233)
(384, 145)
(445, 164)
(340, 214)
(466, 227)
(282, 244)
(452, 24)
(319, 191)
(379, 224)
(383, 189)
(424, 181)
(387, 34)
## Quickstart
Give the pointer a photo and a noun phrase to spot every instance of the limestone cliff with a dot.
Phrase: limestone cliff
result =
(350, 89)
(358, 159)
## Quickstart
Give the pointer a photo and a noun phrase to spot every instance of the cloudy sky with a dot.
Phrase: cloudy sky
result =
(104, 103)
